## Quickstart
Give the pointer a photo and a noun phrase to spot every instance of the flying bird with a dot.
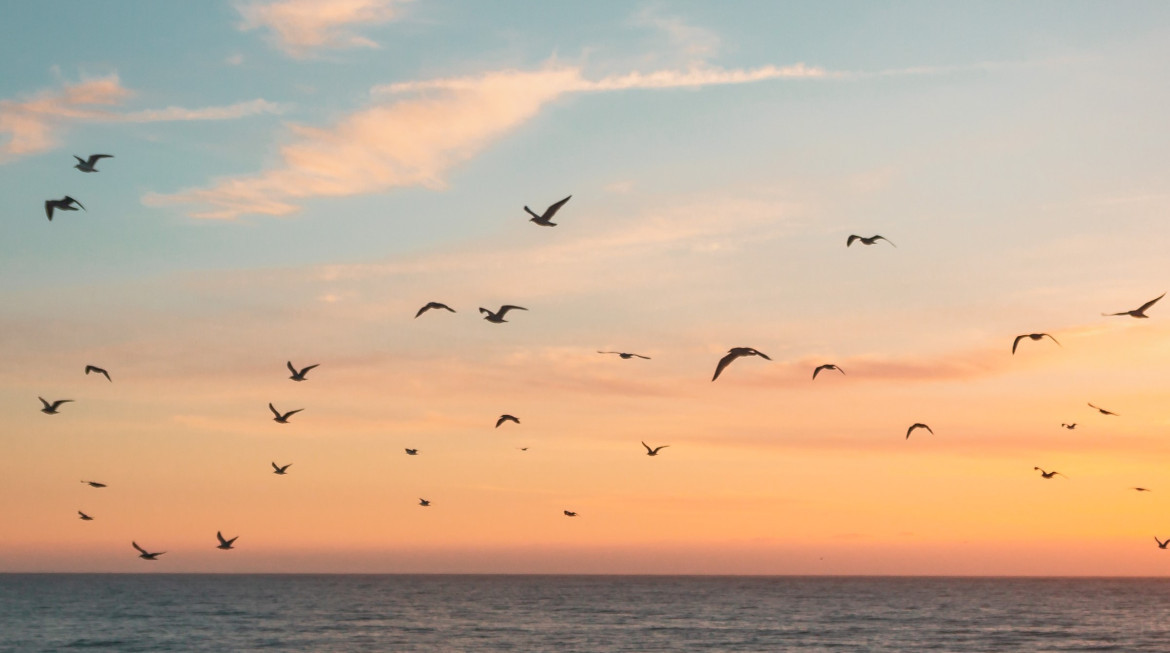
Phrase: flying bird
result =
(282, 419)
(734, 353)
(1161, 544)
(94, 484)
(1069, 426)
(522, 448)
(1103, 411)
(545, 219)
(1033, 336)
(87, 165)
(827, 366)
(498, 316)
(431, 305)
(424, 503)
(51, 409)
(1143, 489)
(299, 376)
(147, 556)
(1139, 311)
(225, 544)
(280, 470)
(84, 517)
(917, 425)
(866, 241)
(625, 355)
(569, 513)
(655, 450)
(64, 204)
(506, 418)
(412, 452)
(1045, 474)
(97, 370)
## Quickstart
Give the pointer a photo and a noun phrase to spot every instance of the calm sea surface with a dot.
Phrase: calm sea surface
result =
(45, 612)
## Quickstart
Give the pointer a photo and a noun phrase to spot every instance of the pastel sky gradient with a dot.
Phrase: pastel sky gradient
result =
(293, 179)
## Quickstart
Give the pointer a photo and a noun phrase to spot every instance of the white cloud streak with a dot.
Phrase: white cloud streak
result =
(301, 27)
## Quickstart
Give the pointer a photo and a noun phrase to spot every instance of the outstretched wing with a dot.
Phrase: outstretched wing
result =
(852, 238)
(724, 362)
(553, 208)
(140, 549)
(273, 409)
(507, 307)
(306, 370)
(94, 158)
(1016, 342)
(1150, 303)
(219, 536)
(885, 239)
(1051, 338)
(49, 209)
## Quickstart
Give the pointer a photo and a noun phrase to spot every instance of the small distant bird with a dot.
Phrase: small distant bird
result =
(84, 517)
(545, 219)
(94, 484)
(97, 370)
(827, 366)
(147, 556)
(87, 165)
(498, 316)
(225, 544)
(299, 376)
(917, 425)
(1103, 411)
(1069, 426)
(734, 353)
(431, 305)
(655, 450)
(282, 419)
(280, 470)
(1033, 336)
(412, 452)
(51, 409)
(522, 448)
(64, 204)
(1139, 311)
(1143, 489)
(866, 241)
(1045, 474)
(506, 418)
(625, 355)
(424, 503)
(1161, 544)
(570, 513)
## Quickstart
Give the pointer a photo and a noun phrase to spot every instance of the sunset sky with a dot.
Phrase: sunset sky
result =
(293, 179)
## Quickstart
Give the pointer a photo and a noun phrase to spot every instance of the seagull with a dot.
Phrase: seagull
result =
(1099, 410)
(522, 448)
(431, 305)
(412, 452)
(1033, 336)
(87, 165)
(569, 513)
(498, 316)
(281, 470)
(734, 353)
(97, 370)
(424, 503)
(1069, 426)
(51, 409)
(545, 220)
(145, 555)
(225, 544)
(1139, 311)
(1161, 544)
(625, 355)
(84, 517)
(1143, 489)
(282, 419)
(506, 418)
(1048, 474)
(866, 241)
(94, 484)
(64, 204)
(298, 376)
(827, 366)
(917, 425)
(655, 450)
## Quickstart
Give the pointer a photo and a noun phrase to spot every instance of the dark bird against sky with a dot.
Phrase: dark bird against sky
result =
(1045, 474)
(87, 165)
(1033, 336)
(1103, 411)
(299, 376)
(51, 408)
(97, 370)
(144, 555)
(1069, 426)
(655, 450)
(570, 513)
(734, 353)
(826, 366)
(506, 418)
(225, 544)
(917, 425)
(867, 241)
(625, 355)
(84, 517)
(280, 470)
(1161, 544)
(424, 503)
(94, 484)
(430, 305)
(1139, 311)
(64, 204)
(545, 218)
(412, 452)
(282, 418)
(498, 316)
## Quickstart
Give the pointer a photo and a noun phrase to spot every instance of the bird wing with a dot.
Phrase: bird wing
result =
(422, 310)
(761, 354)
(507, 307)
(140, 549)
(1051, 338)
(306, 370)
(817, 371)
(887, 240)
(641, 356)
(1016, 343)
(1160, 542)
(852, 238)
(49, 209)
(273, 409)
(724, 362)
(47, 404)
(292, 412)
(1150, 303)
(94, 158)
(57, 404)
(219, 536)
(660, 448)
(79, 159)
(291, 368)
(648, 450)
(70, 199)
(275, 467)
(553, 208)
(484, 310)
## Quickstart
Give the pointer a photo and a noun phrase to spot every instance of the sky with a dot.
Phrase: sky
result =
(292, 180)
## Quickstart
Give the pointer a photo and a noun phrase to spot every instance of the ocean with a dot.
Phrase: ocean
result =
(148, 612)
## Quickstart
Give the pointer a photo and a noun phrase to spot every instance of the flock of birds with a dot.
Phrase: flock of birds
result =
(544, 219)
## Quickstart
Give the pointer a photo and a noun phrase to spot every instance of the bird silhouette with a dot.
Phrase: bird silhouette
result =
(225, 544)
(87, 165)
(827, 366)
(282, 419)
(64, 204)
(1045, 474)
(144, 555)
(431, 305)
(506, 418)
(424, 503)
(1103, 411)
(1069, 426)
(655, 450)
(94, 484)
(1143, 489)
(97, 370)
(299, 376)
(84, 517)
(498, 316)
(866, 241)
(625, 355)
(545, 219)
(569, 513)
(280, 470)
(412, 452)
(1033, 336)
(734, 353)
(1139, 311)
(918, 425)
(51, 408)
(1161, 544)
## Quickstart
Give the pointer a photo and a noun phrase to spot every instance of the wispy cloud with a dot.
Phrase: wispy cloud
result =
(300, 27)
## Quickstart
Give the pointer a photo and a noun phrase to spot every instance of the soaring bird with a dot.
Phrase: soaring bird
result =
(506, 418)
(97, 370)
(1139, 311)
(282, 419)
(431, 305)
(655, 450)
(281, 470)
(545, 220)
(84, 517)
(87, 165)
(299, 376)
(412, 452)
(1161, 544)
(51, 409)
(94, 484)
(1103, 411)
(1069, 426)
(424, 503)
(498, 316)
(1143, 489)
(225, 544)
(625, 355)
(734, 353)
(146, 556)
(1045, 474)
(64, 204)
(1033, 336)
(917, 425)
(569, 513)
(866, 241)
(827, 366)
